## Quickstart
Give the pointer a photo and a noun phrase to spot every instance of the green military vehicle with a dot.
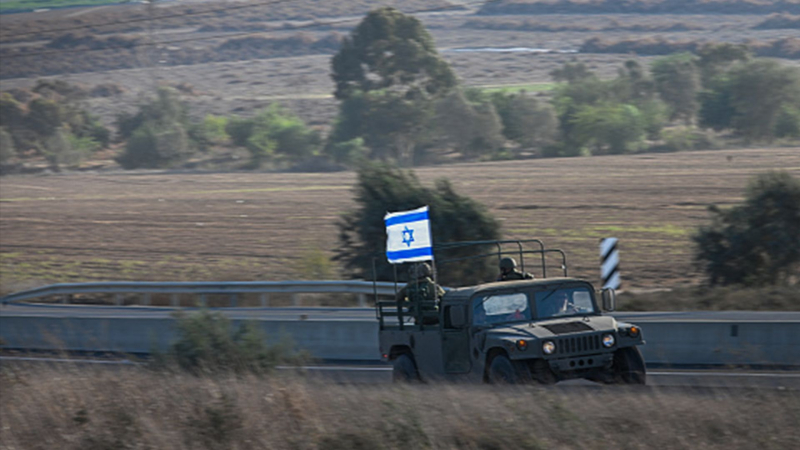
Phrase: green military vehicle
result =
(542, 330)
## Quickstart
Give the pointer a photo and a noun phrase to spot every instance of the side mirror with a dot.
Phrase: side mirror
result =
(609, 299)
(457, 317)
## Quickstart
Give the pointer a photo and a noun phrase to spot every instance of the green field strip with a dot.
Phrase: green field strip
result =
(33, 5)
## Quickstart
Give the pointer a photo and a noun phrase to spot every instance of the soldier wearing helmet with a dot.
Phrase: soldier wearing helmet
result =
(508, 271)
(421, 288)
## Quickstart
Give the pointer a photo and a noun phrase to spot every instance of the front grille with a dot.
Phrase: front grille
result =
(568, 327)
(578, 344)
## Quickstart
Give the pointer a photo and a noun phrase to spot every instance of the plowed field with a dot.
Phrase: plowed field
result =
(269, 226)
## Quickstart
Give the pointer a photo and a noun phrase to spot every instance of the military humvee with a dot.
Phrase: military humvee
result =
(544, 330)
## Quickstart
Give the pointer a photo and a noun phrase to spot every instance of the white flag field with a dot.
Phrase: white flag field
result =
(408, 236)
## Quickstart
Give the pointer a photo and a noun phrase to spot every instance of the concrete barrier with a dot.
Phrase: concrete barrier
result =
(335, 340)
(669, 342)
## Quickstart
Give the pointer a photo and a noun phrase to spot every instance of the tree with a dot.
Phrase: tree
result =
(572, 72)
(387, 75)
(44, 117)
(609, 128)
(757, 242)
(760, 90)
(159, 134)
(677, 81)
(472, 128)
(391, 51)
(392, 126)
(274, 132)
(454, 217)
(525, 120)
(716, 59)
(751, 98)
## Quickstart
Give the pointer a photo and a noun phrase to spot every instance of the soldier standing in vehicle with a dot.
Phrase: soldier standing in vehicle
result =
(421, 288)
(508, 271)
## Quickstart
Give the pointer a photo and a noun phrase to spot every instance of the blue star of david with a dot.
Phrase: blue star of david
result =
(408, 236)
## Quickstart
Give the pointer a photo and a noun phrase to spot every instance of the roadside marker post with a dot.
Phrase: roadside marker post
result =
(609, 263)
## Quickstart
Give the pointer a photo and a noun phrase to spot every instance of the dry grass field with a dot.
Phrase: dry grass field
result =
(70, 408)
(273, 226)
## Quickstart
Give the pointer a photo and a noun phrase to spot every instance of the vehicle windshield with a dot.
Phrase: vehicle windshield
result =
(564, 302)
(501, 308)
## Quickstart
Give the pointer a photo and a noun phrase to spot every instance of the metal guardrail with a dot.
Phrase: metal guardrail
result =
(202, 289)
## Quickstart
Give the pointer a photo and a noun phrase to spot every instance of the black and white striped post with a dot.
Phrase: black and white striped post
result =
(609, 263)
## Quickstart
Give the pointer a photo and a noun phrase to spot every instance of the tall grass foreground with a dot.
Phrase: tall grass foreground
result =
(78, 407)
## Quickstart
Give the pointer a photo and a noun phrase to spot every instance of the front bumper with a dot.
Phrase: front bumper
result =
(580, 363)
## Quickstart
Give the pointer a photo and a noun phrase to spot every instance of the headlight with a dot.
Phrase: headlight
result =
(608, 340)
(548, 347)
(522, 345)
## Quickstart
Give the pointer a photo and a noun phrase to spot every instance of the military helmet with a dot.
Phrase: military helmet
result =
(422, 270)
(508, 263)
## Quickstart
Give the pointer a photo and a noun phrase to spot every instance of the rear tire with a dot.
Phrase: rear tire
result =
(629, 367)
(404, 370)
(501, 371)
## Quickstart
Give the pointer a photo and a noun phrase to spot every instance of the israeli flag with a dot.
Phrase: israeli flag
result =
(408, 236)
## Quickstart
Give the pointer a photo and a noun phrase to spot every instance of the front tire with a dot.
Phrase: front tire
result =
(404, 370)
(501, 371)
(629, 367)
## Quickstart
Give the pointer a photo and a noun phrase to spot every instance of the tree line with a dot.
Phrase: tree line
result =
(400, 102)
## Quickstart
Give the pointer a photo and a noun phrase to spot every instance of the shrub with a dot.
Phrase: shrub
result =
(787, 125)
(153, 146)
(239, 130)
(214, 128)
(348, 152)
(274, 132)
(208, 344)
(610, 128)
(159, 135)
(59, 151)
(383, 188)
(472, 127)
(525, 120)
(687, 138)
(757, 242)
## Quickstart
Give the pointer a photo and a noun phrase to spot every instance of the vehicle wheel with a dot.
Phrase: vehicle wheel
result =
(629, 366)
(501, 371)
(404, 370)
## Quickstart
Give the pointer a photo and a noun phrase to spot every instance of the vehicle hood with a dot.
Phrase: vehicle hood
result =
(556, 327)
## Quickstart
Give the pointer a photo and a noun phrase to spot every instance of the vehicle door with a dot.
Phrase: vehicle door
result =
(456, 340)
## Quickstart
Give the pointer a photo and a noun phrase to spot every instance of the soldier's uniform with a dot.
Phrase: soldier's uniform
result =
(514, 275)
(508, 271)
(421, 289)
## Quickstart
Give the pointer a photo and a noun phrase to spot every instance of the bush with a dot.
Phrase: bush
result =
(687, 138)
(207, 344)
(239, 130)
(383, 188)
(472, 127)
(159, 135)
(274, 132)
(610, 128)
(758, 242)
(153, 146)
(214, 128)
(525, 121)
(787, 125)
(348, 152)
(58, 150)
